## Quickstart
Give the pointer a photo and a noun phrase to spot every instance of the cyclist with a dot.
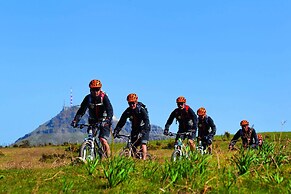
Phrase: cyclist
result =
(187, 121)
(260, 140)
(100, 110)
(140, 124)
(206, 129)
(247, 134)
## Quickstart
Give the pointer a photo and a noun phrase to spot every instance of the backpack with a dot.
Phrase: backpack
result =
(141, 105)
(102, 94)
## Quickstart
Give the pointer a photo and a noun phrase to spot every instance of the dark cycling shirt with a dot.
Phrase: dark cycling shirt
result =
(138, 117)
(206, 127)
(248, 137)
(186, 117)
(99, 107)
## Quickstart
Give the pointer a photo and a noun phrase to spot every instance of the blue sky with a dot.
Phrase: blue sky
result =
(232, 57)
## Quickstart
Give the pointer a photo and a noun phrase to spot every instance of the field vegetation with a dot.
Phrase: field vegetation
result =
(54, 169)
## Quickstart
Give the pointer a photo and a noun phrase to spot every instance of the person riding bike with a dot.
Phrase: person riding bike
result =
(247, 134)
(206, 129)
(260, 140)
(140, 124)
(100, 110)
(187, 121)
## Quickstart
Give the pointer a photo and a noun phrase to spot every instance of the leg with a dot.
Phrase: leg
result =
(209, 149)
(192, 145)
(106, 146)
(191, 139)
(103, 136)
(144, 151)
(144, 141)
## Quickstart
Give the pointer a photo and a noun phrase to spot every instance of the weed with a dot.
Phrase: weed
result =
(228, 178)
(91, 165)
(117, 170)
(244, 159)
(67, 186)
(150, 170)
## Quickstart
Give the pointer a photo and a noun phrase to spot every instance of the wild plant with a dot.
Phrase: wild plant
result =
(117, 170)
(186, 170)
(273, 177)
(228, 177)
(175, 171)
(91, 165)
(67, 186)
(280, 158)
(150, 170)
(266, 152)
(244, 159)
(267, 155)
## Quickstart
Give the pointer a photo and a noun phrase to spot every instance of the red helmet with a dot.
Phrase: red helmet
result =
(132, 97)
(244, 122)
(95, 84)
(201, 111)
(260, 137)
(181, 99)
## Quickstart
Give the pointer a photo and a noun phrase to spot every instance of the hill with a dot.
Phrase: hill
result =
(58, 131)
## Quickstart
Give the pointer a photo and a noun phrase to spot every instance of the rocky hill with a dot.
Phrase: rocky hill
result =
(58, 131)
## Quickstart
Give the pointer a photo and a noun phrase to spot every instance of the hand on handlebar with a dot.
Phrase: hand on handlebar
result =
(166, 131)
(74, 124)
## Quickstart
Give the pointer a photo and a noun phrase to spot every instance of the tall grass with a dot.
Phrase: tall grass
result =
(117, 170)
(244, 159)
(266, 170)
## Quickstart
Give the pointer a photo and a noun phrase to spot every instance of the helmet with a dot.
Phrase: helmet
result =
(181, 99)
(201, 111)
(132, 97)
(260, 137)
(95, 84)
(244, 122)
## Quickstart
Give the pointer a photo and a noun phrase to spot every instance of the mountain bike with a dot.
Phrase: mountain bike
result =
(91, 147)
(201, 148)
(130, 150)
(181, 149)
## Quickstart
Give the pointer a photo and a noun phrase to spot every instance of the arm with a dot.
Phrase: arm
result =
(146, 120)
(169, 122)
(212, 126)
(235, 138)
(121, 122)
(194, 119)
(108, 107)
(255, 137)
(81, 111)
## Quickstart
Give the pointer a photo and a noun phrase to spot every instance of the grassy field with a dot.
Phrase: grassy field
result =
(53, 169)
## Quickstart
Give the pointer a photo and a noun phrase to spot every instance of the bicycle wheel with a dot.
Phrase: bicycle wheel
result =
(86, 152)
(125, 153)
(176, 155)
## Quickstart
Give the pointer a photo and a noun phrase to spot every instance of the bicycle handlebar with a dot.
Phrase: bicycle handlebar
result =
(81, 126)
(183, 133)
(121, 135)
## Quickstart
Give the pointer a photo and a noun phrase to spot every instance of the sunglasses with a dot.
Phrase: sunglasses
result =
(94, 89)
(131, 103)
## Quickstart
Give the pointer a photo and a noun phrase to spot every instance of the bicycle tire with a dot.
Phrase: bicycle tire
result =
(85, 151)
(176, 155)
(125, 153)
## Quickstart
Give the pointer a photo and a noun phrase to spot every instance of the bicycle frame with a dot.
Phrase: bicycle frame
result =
(200, 148)
(91, 146)
(181, 150)
(130, 150)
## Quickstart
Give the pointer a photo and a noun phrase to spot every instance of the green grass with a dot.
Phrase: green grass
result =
(260, 171)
